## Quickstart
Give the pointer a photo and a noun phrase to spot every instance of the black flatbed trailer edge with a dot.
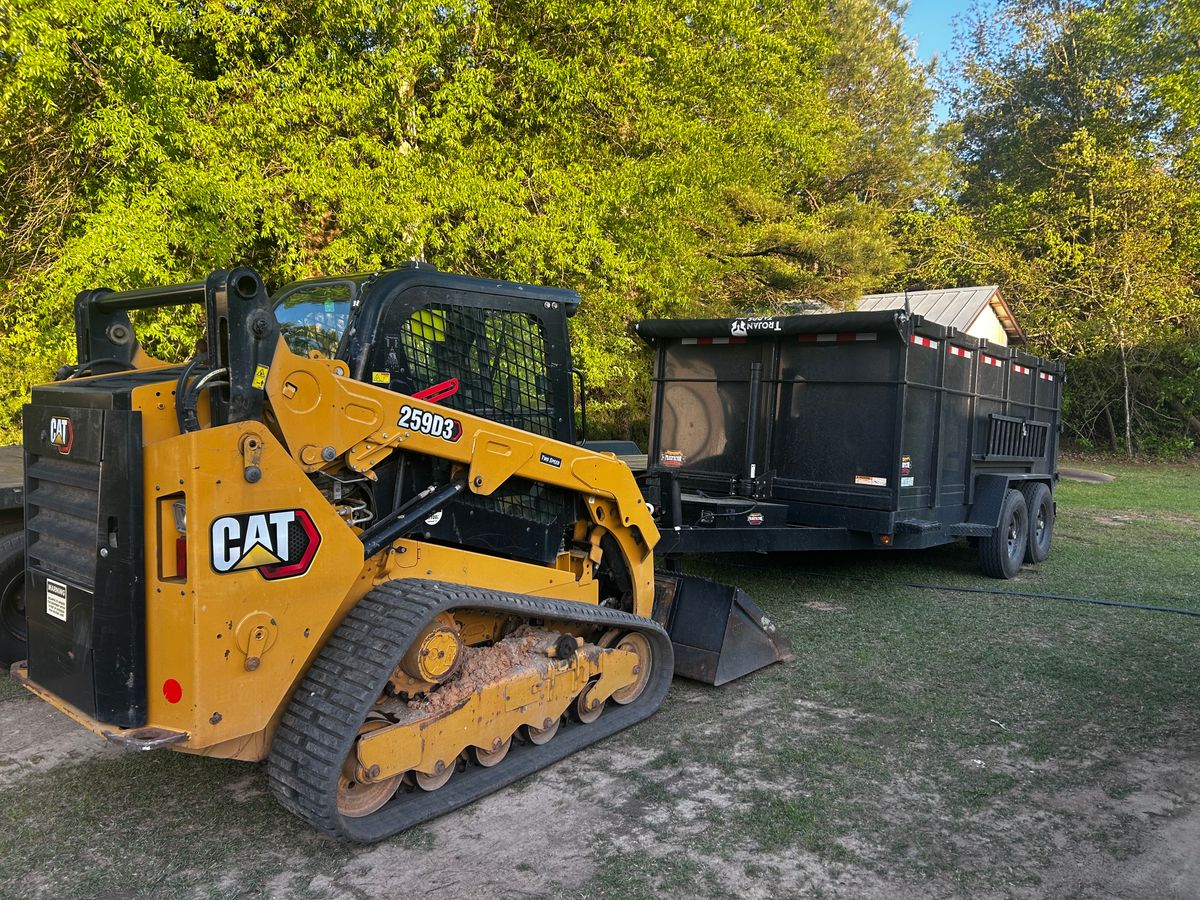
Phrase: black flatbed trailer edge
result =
(12, 489)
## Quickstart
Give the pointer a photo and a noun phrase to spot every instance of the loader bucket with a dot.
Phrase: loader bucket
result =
(719, 633)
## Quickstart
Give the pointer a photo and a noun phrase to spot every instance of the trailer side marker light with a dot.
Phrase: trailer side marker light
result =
(1020, 370)
(714, 340)
(885, 539)
(992, 361)
(959, 351)
(839, 337)
(924, 342)
(172, 690)
(1045, 376)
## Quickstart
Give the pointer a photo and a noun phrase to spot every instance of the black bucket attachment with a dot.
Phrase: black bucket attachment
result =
(719, 633)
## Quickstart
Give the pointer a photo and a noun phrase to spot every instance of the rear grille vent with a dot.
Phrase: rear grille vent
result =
(1011, 438)
(62, 504)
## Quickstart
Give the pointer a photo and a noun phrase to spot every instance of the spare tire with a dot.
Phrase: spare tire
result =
(13, 629)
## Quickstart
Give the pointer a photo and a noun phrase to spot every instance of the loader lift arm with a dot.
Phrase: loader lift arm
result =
(364, 424)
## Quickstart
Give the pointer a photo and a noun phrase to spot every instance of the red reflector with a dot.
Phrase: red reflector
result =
(172, 690)
(181, 557)
(885, 539)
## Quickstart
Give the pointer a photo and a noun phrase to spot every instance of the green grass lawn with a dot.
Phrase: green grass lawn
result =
(924, 742)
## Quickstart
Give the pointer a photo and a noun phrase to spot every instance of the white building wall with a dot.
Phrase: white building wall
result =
(987, 325)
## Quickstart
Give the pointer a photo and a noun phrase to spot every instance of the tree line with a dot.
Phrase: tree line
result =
(663, 158)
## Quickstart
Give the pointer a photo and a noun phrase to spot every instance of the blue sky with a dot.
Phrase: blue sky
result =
(929, 23)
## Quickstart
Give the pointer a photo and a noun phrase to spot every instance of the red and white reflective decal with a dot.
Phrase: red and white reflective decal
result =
(714, 340)
(1045, 376)
(924, 342)
(839, 337)
(992, 361)
(959, 351)
(1021, 370)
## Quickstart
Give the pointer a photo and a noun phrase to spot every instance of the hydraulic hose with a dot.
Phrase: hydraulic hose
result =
(1032, 595)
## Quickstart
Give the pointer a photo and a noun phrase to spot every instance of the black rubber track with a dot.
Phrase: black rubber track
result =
(348, 676)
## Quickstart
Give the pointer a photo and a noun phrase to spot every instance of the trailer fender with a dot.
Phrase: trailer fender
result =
(989, 499)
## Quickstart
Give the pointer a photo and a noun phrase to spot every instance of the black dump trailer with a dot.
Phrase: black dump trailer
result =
(849, 431)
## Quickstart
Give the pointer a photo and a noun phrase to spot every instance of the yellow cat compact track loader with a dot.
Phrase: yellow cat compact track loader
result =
(354, 536)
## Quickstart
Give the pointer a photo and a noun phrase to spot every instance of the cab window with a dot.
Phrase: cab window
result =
(312, 317)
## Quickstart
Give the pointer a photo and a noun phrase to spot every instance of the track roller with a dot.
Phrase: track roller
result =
(489, 758)
(543, 735)
(587, 707)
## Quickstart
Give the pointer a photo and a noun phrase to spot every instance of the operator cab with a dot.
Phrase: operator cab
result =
(505, 345)
(493, 349)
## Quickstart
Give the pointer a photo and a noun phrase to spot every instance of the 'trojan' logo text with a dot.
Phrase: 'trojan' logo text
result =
(743, 327)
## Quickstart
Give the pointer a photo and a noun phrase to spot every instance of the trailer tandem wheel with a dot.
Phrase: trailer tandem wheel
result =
(1002, 552)
(1040, 503)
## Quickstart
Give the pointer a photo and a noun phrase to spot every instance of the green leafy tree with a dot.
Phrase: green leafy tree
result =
(1075, 191)
(662, 158)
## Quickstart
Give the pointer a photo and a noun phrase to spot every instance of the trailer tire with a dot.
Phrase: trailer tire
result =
(1002, 552)
(13, 630)
(1040, 504)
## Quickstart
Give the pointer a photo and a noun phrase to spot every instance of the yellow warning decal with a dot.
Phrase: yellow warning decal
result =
(381, 377)
(260, 376)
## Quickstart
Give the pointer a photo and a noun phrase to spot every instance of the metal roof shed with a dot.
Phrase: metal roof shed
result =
(980, 312)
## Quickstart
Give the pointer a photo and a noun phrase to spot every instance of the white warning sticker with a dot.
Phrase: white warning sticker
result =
(906, 481)
(56, 600)
(873, 480)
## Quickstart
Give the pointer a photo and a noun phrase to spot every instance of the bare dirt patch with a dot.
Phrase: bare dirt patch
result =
(34, 737)
(822, 606)
(1127, 517)
(1140, 829)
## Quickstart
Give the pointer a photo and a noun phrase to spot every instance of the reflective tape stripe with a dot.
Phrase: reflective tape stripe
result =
(992, 361)
(959, 351)
(924, 342)
(839, 337)
(713, 340)
(1020, 370)
(1045, 376)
